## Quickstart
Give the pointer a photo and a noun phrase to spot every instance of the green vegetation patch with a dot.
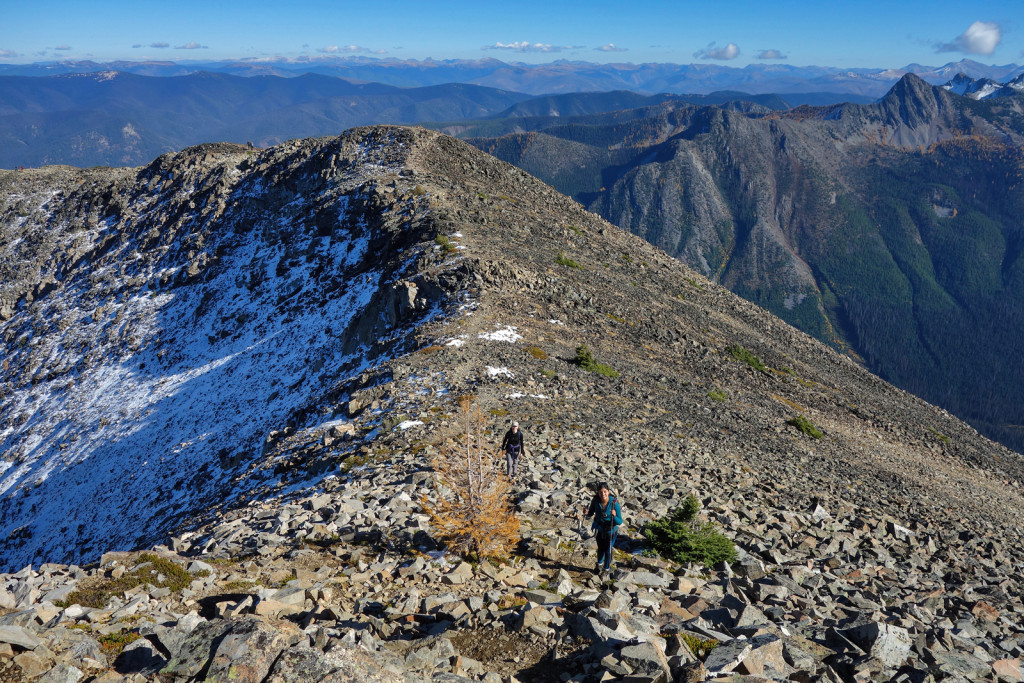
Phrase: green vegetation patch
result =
(585, 359)
(564, 260)
(717, 395)
(537, 352)
(158, 572)
(805, 426)
(445, 243)
(352, 462)
(700, 647)
(681, 537)
(744, 356)
(113, 644)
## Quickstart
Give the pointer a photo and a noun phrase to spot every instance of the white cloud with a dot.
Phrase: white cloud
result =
(160, 45)
(980, 38)
(349, 49)
(730, 51)
(7, 54)
(771, 54)
(527, 46)
(191, 45)
(62, 47)
(611, 47)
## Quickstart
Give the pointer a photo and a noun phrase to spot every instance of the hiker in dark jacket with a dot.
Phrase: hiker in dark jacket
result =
(607, 514)
(512, 444)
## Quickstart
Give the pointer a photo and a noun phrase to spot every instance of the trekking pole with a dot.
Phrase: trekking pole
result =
(579, 541)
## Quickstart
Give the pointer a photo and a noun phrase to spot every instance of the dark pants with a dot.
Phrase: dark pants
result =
(605, 543)
(512, 462)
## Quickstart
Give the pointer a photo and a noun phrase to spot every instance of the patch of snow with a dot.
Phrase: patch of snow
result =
(519, 394)
(456, 343)
(556, 322)
(495, 372)
(506, 334)
(146, 404)
(409, 423)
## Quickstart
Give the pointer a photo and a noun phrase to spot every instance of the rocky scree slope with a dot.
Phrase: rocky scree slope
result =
(887, 549)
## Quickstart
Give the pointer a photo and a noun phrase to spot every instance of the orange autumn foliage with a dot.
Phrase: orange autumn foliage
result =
(471, 512)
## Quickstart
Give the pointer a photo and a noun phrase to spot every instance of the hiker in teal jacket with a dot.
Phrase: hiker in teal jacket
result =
(607, 514)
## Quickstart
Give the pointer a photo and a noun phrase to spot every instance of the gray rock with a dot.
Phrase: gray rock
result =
(542, 597)
(140, 657)
(727, 657)
(646, 659)
(887, 643)
(19, 636)
(62, 673)
(245, 647)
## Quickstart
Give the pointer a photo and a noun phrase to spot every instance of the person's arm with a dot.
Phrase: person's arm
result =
(592, 510)
(618, 514)
(504, 442)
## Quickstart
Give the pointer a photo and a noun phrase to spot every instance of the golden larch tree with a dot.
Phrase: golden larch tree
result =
(471, 512)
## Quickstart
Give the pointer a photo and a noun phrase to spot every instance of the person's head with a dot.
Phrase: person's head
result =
(515, 426)
(603, 492)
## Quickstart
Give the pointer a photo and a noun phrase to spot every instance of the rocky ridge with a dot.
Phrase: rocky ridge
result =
(888, 549)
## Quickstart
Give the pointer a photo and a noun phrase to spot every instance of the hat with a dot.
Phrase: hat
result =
(514, 423)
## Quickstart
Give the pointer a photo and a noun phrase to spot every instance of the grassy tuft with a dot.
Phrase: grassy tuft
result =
(113, 644)
(805, 426)
(158, 572)
(537, 352)
(717, 395)
(700, 647)
(744, 356)
(564, 260)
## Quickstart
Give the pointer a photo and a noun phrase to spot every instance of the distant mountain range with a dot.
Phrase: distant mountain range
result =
(891, 230)
(114, 118)
(123, 119)
(556, 77)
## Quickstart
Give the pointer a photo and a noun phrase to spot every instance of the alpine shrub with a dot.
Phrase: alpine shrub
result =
(564, 260)
(744, 356)
(805, 426)
(585, 359)
(681, 537)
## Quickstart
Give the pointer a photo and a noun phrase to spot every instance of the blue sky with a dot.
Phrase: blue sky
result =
(839, 33)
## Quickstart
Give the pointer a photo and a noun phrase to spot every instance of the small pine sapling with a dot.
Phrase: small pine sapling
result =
(681, 537)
